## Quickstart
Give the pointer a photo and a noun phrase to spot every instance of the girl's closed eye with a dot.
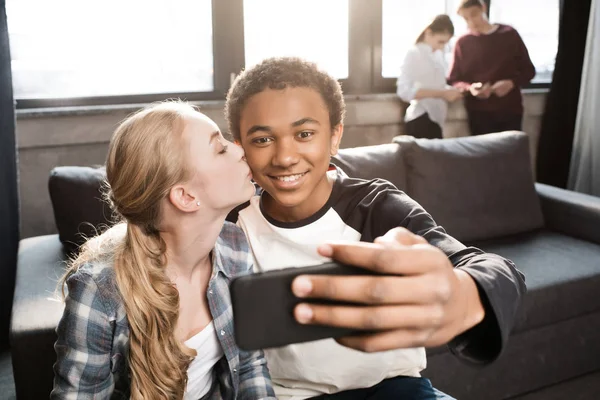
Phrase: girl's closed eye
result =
(223, 148)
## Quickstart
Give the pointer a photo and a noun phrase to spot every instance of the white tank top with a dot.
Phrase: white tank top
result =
(200, 372)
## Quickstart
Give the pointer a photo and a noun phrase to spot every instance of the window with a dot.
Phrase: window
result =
(85, 48)
(537, 22)
(404, 20)
(90, 52)
(316, 30)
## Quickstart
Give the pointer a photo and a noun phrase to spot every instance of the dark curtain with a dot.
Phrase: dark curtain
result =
(9, 197)
(558, 121)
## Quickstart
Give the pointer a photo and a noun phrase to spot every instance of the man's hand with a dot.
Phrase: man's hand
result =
(419, 300)
(481, 90)
(502, 88)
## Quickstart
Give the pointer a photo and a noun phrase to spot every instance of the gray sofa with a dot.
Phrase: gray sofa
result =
(479, 188)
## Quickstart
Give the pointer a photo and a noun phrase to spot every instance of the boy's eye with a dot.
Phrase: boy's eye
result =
(224, 149)
(305, 134)
(262, 140)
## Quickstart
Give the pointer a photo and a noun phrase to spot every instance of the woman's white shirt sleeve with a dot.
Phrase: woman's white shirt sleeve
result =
(406, 85)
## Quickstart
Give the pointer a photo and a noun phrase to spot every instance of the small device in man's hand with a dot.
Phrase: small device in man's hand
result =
(263, 307)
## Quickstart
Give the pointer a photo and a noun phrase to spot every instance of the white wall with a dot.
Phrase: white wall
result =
(49, 138)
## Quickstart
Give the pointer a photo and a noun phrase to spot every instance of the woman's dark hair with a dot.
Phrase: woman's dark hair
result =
(440, 24)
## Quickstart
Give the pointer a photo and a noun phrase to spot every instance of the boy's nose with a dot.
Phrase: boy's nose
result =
(285, 154)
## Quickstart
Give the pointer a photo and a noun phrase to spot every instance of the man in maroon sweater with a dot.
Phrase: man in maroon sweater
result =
(491, 63)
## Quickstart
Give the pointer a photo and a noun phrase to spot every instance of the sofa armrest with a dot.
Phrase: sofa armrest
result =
(572, 213)
(37, 308)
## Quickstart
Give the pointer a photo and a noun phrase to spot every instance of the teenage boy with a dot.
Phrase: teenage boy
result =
(288, 116)
(491, 63)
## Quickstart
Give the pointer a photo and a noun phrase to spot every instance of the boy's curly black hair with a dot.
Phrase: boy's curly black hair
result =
(279, 73)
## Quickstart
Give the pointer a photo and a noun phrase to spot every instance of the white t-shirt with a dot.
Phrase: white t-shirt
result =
(309, 369)
(200, 371)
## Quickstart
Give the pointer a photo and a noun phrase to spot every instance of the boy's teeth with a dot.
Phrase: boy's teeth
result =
(289, 178)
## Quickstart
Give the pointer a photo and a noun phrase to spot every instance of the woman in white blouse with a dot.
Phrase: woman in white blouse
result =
(422, 81)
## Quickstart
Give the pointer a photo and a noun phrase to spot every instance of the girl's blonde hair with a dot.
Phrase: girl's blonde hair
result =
(146, 158)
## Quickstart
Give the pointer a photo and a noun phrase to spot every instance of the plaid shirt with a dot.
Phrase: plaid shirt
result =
(93, 334)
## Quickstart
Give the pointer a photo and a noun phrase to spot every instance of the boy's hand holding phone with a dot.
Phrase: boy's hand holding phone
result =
(398, 292)
(420, 300)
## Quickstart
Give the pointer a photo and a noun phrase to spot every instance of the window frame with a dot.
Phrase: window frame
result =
(364, 59)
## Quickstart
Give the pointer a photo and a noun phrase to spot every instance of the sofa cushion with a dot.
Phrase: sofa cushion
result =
(555, 337)
(534, 359)
(381, 161)
(562, 274)
(476, 187)
(79, 209)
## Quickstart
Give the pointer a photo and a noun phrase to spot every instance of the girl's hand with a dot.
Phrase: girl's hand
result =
(451, 95)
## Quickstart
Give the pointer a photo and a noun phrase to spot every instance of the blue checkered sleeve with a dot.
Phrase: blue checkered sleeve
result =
(83, 348)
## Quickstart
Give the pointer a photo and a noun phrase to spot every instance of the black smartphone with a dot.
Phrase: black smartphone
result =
(263, 305)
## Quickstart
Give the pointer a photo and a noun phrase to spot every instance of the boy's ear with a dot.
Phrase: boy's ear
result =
(336, 137)
(182, 199)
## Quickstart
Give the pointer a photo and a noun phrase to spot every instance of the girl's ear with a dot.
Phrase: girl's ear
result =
(182, 199)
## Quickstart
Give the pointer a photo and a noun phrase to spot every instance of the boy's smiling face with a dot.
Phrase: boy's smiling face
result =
(288, 141)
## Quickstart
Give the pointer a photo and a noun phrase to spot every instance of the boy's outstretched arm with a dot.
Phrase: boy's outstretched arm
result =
(423, 301)
(433, 289)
